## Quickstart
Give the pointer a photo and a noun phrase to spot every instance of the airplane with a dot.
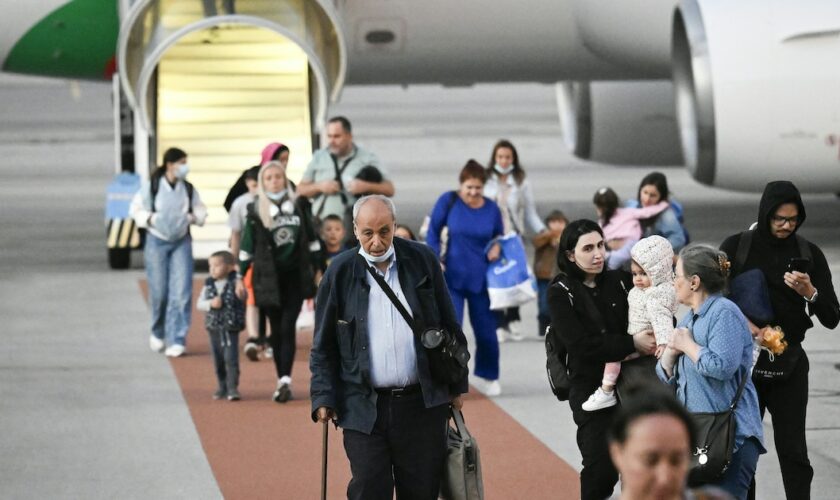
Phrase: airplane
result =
(740, 92)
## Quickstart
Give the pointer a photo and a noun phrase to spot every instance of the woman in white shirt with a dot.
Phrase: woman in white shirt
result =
(507, 186)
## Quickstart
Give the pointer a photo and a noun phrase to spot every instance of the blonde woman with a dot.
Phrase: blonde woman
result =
(281, 244)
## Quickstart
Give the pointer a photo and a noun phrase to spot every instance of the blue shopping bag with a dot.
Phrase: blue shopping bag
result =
(509, 281)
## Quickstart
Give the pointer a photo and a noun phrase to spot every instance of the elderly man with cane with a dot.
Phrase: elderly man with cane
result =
(370, 371)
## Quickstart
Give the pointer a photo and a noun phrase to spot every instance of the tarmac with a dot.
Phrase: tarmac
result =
(89, 412)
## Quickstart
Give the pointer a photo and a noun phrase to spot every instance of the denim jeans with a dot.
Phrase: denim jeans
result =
(737, 478)
(169, 271)
(225, 347)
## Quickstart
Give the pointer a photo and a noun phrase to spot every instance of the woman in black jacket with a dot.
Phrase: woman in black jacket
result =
(588, 306)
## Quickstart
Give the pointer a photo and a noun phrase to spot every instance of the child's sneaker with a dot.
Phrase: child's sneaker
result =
(233, 395)
(600, 400)
(220, 393)
(501, 335)
(252, 349)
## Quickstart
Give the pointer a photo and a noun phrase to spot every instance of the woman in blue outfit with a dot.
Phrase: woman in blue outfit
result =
(166, 206)
(472, 222)
(668, 223)
(709, 355)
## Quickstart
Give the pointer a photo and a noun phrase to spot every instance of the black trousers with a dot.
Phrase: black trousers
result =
(598, 476)
(504, 317)
(406, 450)
(787, 402)
(283, 319)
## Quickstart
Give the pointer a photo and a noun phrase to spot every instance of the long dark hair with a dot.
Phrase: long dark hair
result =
(568, 242)
(606, 199)
(657, 179)
(518, 173)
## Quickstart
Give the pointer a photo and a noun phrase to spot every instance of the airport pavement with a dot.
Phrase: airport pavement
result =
(88, 412)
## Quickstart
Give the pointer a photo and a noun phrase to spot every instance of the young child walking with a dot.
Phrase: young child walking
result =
(546, 244)
(224, 320)
(652, 304)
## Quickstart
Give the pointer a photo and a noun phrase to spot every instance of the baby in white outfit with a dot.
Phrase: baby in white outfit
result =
(652, 304)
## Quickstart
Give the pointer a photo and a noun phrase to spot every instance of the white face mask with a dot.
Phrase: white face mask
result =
(503, 171)
(375, 260)
(183, 170)
(276, 196)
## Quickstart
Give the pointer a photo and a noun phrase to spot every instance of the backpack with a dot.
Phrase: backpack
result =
(557, 358)
(155, 186)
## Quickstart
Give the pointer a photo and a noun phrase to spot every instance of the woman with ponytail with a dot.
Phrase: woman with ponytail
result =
(166, 206)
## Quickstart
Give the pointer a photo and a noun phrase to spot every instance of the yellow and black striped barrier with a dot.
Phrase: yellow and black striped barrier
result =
(123, 233)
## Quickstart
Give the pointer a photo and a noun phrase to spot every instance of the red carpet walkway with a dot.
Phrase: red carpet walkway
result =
(261, 449)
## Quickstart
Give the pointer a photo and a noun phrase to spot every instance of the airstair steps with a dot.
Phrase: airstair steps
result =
(223, 94)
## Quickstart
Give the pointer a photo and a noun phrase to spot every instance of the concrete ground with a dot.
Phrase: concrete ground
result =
(88, 412)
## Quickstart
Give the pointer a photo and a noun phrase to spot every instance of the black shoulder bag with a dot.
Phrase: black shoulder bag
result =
(447, 357)
(712, 452)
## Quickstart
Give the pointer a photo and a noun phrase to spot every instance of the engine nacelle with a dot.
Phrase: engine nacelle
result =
(623, 123)
(758, 92)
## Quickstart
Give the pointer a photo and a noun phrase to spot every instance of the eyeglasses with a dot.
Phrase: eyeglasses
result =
(780, 221)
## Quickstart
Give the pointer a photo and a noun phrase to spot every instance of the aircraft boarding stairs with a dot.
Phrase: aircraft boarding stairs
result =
(222, 84)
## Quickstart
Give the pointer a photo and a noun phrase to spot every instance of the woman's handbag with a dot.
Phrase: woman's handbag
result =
(462, 475)
(712, 452)
(509, 281)
(448, 358)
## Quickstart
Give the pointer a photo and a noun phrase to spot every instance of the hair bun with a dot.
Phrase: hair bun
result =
(724, 264)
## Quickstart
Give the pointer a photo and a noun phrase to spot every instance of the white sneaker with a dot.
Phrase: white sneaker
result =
(515, 332)
(599, 400)
(493, 389)
(175, 351)
(501, 334)
(155, 344)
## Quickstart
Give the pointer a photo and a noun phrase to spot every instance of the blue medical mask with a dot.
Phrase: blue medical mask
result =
(503, 171)
(183, 170)
(276, 196)
(376, 260)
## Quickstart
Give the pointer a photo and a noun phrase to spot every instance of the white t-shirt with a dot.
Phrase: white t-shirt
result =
(239, 211)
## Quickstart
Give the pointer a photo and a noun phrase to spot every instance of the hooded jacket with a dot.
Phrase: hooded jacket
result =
(653, 307)
(772, 255)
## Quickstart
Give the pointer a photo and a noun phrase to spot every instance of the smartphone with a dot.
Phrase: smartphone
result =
(799, 264)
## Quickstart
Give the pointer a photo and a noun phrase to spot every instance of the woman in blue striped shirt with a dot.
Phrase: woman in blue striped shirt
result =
(709, 355)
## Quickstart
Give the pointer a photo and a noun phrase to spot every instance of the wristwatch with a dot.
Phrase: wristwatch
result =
(813, 297)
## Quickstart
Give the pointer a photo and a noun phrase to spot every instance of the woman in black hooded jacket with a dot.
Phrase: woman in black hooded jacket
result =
(588, 307)
(782, 385)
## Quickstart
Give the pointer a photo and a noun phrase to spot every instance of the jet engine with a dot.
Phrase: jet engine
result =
(757, 89)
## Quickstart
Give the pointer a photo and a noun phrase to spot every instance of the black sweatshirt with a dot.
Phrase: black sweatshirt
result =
(772, 254)
(594, 328)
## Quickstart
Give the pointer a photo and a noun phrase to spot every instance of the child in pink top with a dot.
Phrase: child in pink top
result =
(621, 225)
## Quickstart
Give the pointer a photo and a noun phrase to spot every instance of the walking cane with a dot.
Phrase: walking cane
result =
(324, 462)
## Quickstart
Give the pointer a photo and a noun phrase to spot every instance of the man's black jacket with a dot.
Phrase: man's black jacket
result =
(772, 254)
(340, 359)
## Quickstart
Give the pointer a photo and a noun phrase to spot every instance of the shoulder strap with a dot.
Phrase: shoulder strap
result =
(804, 247)
(740, 391)
(743, 249)
(154, 186)
(453, 197)
(391, 295)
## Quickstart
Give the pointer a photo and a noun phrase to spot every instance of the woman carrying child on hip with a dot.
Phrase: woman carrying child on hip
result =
(651, 304)
(621, 225)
